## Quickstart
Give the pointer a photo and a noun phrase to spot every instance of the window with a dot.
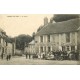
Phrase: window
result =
(68, 48)
(48, 37)
(63, 48)
(72, 48)
(41, 38)
(44, 48)
(41, 49)
(53, 38)
(6, 44)
(49, 49)
(68, 37)
(35, 41)
(2, 50)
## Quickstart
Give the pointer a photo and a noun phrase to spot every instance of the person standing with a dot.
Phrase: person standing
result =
(7, 57)
(2, 53)
(9, 54)
(26, 54)
(77, 55)
(2, 56)
(69, 54)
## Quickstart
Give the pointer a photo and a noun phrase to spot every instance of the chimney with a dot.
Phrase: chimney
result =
(45, 21)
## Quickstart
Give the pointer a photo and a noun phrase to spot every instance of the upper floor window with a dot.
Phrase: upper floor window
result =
(0, 40)
(6, 44)
(3, 40)
(68, 37)
(41, 49)
(63, 48)
(48, 37)
(41, 38)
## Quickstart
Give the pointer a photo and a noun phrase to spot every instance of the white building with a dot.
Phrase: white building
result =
(59, 36)
(30, 50)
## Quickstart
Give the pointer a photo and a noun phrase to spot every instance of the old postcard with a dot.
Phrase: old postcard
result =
(39, 39)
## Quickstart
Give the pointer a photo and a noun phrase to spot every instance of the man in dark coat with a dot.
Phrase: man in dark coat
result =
(2, 56)
(26, 54)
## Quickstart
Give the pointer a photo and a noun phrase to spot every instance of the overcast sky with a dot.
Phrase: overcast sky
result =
(22, 24)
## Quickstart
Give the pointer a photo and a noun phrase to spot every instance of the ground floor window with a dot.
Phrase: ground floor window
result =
(78, 47)
(68, 48)
(72, 48)
(49, 49)
(63, 48)
(45, 49)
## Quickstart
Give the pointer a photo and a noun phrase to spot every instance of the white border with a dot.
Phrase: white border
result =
(39, 6)
(39, 72)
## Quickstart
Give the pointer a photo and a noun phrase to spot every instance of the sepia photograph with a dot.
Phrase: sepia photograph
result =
(39, 39)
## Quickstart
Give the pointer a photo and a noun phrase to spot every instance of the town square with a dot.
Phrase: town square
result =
(40, 39)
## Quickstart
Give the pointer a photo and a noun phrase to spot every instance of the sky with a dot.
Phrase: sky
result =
(16, 24)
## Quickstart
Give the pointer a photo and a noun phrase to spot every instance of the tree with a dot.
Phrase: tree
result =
(33, 35)
(21, 40)
(64, 17)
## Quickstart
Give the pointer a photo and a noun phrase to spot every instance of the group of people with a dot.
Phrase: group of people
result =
(62, 55)
(27, 56)
(7, 56)
(56, 55)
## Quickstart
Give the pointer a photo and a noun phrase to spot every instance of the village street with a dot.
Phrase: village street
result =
(58, 38)
(24, 61)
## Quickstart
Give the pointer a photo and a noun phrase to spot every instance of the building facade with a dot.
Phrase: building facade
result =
(6, 45)
(64, 36)
(54, 42)
(2, 43)
(30, 49)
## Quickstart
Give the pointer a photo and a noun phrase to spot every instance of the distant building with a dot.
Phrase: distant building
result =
(62, 36)
(30, 49)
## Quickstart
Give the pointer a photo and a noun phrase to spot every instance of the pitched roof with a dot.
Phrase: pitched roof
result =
(7, 39)
(32, 42)
(60, 27)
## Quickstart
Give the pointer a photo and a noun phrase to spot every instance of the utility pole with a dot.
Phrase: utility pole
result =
(14, 46)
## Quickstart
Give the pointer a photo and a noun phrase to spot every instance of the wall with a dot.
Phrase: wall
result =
(56, 41)
(9, 48)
